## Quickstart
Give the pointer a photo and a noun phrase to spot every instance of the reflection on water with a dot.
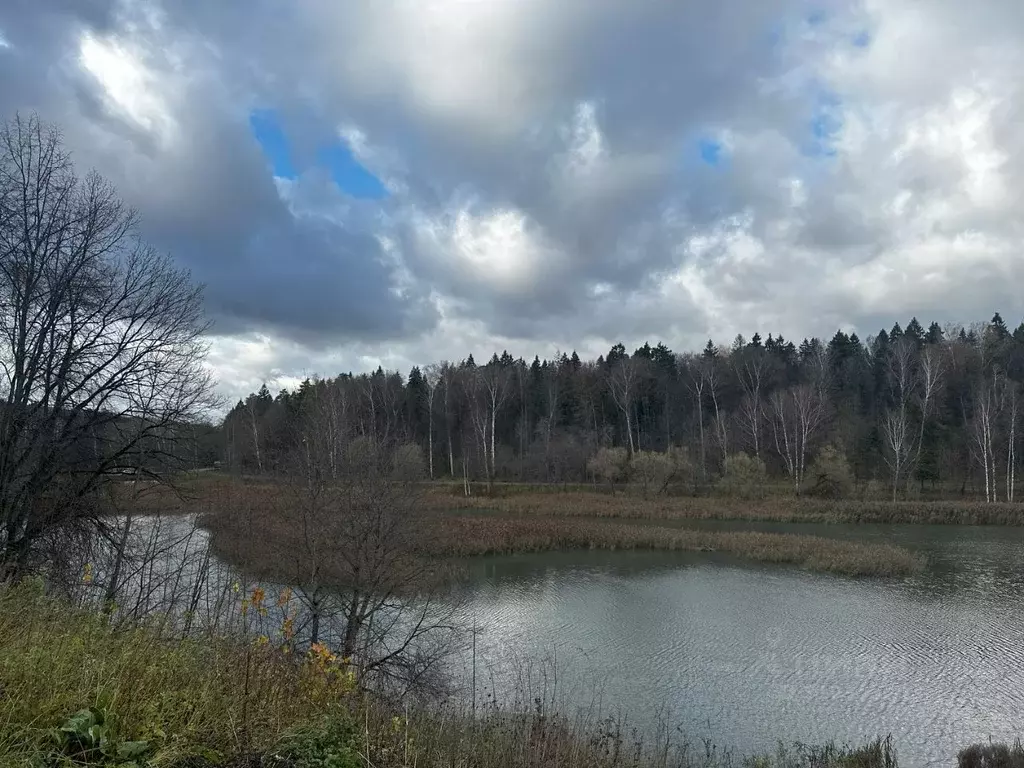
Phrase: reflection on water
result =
(749, 655)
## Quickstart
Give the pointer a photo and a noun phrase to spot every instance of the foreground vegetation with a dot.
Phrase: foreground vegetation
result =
(76, 690)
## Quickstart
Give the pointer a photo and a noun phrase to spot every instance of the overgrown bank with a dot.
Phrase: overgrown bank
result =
(259, 529)
(467, 536)
(783, 510)
(75, 690)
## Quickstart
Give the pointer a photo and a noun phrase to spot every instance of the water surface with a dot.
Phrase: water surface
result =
(747, 655)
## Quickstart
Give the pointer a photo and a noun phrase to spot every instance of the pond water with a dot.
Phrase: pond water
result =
(715, 648)
(748, 655)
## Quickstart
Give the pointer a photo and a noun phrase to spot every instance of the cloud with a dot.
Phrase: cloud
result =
(463, 176)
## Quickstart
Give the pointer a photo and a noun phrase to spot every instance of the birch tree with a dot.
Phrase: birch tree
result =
(449, 376)
(797, 413)
(752, 371)
(896, 428)
(495, 381)
(982, 432)
(432, 379)
(622, 383)
(698, 385)
(930, 377)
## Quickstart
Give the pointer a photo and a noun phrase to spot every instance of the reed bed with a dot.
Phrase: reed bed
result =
(264, 534)
(804, 510)
(462, 536)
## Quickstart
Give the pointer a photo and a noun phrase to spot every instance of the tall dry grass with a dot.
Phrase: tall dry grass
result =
(252, 528)
(803, 510)
(471, 535)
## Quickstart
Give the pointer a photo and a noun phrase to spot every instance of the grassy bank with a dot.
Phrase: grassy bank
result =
(791, 510)
(217, 701)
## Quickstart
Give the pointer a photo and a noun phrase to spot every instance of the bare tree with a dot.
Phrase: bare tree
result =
(993, 422)
(98, 331)
(448, 378)
(495, 380)
(930, 376)
(622, 383)
(1011, 409)
(752, 371)
(698, 383)
(353, 546)
(252, 418)
(552, 392)
(896, 430)
(797, 412)
(983, 423)
(432, 378)
(903, 383)
(710, 371)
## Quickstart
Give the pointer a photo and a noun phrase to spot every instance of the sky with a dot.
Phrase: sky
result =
(396, 182)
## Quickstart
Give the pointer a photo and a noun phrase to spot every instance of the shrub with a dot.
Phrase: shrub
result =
(650, 471)
(830, 476)
(331, 743)
(682, 467)
(744, 476)
(609, 465)
(361, 454)
(408, 463)
(991, 756)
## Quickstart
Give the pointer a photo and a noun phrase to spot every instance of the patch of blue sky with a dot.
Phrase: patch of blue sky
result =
(711, 151)
(351, 177)
(336, 158)
(266, 128)
(862, 39)
(816, 17)
(825, 124)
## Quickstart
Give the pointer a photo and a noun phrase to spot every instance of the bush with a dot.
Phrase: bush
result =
(650, 471)
(609, 465)
(830, 476)
(332, 743)
(991, 756)
(408, 463)
(681, 465)
(744, 477)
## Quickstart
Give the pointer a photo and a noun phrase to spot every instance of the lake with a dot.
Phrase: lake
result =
(746, 655)
(716, 648)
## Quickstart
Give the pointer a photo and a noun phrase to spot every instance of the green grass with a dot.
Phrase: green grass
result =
(188, 697)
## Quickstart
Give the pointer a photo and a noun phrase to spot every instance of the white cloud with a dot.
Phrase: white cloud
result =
(500, 248)
(536, 156)
(462, 62)
(130, 87)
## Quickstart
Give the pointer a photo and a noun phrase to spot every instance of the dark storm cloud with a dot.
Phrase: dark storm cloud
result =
(543, 157)
(204, 192)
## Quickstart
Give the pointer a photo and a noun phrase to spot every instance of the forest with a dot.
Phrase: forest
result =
(910, 411)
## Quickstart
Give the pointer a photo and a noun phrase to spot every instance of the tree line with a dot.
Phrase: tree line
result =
(912, 409)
